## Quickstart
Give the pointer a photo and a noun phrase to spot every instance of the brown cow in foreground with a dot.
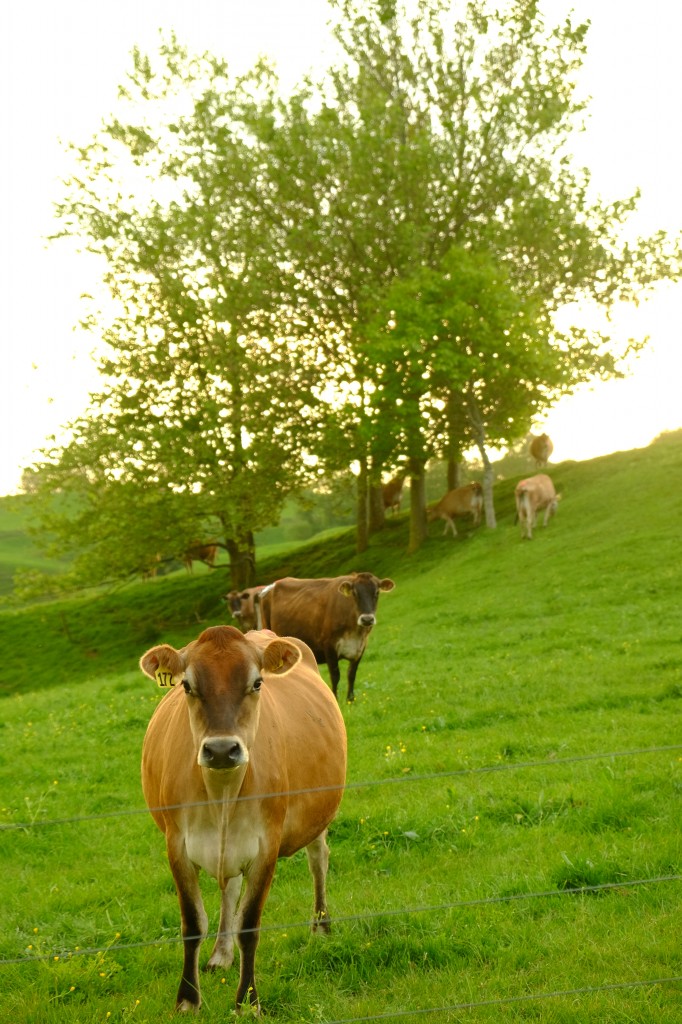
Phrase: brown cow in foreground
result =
(333, 616)
(198, 552)
(242, 607)
(243, 762)
(532, 496)
(541, 448)
(463, 501)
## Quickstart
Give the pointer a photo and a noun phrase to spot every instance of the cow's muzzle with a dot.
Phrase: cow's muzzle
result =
(222, 753)
(367, 620)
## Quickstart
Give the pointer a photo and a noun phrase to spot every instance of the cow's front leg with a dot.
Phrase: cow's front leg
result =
(352, 672)
(223, 951)
(332, 660)
(257, 887)
(194, 922)
(318, 862)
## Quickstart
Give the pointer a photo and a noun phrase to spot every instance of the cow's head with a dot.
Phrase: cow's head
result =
(364, 589)
(221, 675)
(235, 602)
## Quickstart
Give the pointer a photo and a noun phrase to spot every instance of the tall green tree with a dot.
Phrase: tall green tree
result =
(202, 397)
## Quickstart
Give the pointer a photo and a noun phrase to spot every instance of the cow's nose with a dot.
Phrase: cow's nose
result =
(367, 620)
(222, 753)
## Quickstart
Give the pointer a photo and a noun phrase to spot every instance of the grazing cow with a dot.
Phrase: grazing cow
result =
(239, 767)
(463, 501)
(540, 449)
(392, 492)
(333, 616)
(532, 496)
(198, 552)
(242, 608)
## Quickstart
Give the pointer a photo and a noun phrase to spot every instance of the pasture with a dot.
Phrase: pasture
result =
(508, 847)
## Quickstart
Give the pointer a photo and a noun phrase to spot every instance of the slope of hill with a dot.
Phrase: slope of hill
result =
(614, 535)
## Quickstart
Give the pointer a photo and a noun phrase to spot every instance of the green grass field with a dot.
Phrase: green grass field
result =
(509, 846)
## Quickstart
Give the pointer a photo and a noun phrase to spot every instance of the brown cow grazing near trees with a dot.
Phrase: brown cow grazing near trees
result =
(532, 496)
(392, 492)
(198, 552)
(540, 449)
(239, 767)
(463, 501)
(242, 608)
(333, 616)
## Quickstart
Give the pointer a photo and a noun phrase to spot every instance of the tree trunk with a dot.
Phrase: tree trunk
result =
(418, 525)
(454, 472)
(377, 514)
(478, 428)
(242, 554)
(361, 526)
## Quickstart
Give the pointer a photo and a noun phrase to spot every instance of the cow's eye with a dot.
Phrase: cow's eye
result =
(186, 687)
(257, 683)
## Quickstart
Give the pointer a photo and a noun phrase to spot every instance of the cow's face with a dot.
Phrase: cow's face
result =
(234, 603)
(364, 590)
(221, 675)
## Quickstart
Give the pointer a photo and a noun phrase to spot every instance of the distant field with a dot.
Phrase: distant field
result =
(509, 846)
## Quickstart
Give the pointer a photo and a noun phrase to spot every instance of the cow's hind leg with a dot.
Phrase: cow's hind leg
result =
(223, 951)
(318, 862)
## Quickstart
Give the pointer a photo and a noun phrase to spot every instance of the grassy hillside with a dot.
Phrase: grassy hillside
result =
(517, 737)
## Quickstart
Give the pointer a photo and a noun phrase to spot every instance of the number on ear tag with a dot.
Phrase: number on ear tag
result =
(163, 677)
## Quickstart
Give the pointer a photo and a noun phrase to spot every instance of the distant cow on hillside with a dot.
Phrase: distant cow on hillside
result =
(463, 501)
(392, 492)
(334, 617)
(540, 449)
(198, 552)
(532, 496)
(242, 608)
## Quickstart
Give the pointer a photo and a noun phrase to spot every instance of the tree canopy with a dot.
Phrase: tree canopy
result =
(364, 272)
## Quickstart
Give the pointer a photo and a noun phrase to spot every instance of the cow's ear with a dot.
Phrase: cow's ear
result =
(280, 656)
(385, 585)
(164, 664)
(346, 588)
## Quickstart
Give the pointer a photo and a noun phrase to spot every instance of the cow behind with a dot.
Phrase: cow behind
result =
(463, 501)
(392, 492)
(242, 607)
(239, 767)
(541, 448)
(334, 617)
(198, 552)
(532, 496)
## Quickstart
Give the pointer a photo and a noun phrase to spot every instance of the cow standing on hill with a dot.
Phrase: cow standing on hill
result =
(392, 492)
(532, 496)
(240, 766)
(242, 607)
(463, 501)
(333, 616)
(540, 449)
(198, 552)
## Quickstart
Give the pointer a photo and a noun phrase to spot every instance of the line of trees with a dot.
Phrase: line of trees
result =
(362, 273)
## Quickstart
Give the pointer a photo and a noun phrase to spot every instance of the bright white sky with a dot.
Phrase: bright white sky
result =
(60, 65)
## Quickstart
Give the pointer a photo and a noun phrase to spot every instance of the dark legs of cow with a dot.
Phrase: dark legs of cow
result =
(255, 895)
(334, 671)
(318, 862)
(194, 928)
(352, 672)
(223, 951)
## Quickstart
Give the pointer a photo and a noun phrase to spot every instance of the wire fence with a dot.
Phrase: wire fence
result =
(62, 953)
(347, 787)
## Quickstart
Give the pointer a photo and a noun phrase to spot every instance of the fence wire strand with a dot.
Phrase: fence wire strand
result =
(348, 786)
(510, 1000)
(481, 901)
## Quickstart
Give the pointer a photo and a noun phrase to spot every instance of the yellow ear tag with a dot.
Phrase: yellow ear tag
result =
(163, 677)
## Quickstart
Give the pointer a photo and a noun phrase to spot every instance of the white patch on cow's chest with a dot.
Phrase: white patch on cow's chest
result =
(224, 851)
(352, 645)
